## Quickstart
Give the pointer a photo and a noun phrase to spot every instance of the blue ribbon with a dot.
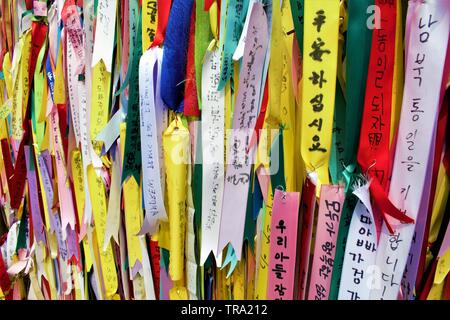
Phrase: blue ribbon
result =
(175, 54)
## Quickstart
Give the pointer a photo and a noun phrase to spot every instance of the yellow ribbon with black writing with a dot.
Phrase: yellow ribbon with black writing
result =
(149, 22)
(319, 84)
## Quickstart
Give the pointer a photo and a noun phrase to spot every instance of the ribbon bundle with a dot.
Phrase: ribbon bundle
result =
(224, 149)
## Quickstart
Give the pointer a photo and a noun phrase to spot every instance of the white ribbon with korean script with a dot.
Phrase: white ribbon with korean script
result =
(239, 157)
(360, 250)
(152, 186)
(104, 33)
(213, 150)
(429, 31)
(72, 79)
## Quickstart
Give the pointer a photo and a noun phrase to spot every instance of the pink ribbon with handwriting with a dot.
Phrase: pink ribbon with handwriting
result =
(283, 245)
(330, 209)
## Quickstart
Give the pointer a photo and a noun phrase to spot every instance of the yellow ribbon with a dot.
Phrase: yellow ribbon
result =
(99, 209)
(101, 80)
(319, 83)
(176, 155)
(149, 22)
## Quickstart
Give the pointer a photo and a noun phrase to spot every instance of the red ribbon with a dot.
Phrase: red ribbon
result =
(386, 206)
(163, 17)
(446, 293)
(262, 113)
(373, 152)
(306, 221)
(29, 4)
(190, 89)
(207, 5)
(260, 121)
(155, 258)
(7, 33)
(63, 127)
(5, 282)
(19, 178)
(8, 163)
(38, 37)
(429, 281)
(4, 38)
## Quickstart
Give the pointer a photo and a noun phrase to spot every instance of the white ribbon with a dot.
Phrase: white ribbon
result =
(104, 33)
(428, 41)
(213, 150)
(152, 185)
(72, 79)
(360, 250)
(239, 157)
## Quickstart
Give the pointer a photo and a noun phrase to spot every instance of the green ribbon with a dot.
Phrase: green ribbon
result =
(202, 39)
(235, 17)
(134, 18)
(337, 148)
(132, 158)
(197, 178)
(341, 242)
(196, 184)
(277, 178)
(344, 225)
(297, 8)
(250, 223)
(165, 259)
(359, 41)
(22, 236)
